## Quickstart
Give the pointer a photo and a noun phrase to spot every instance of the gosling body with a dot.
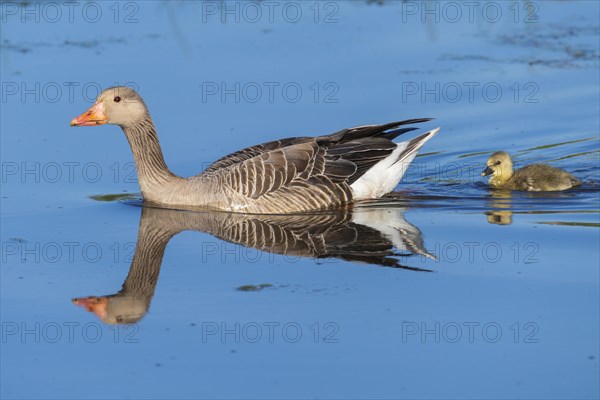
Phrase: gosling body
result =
(531, 178)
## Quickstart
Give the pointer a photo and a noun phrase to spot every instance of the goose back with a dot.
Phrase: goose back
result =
(307, 173)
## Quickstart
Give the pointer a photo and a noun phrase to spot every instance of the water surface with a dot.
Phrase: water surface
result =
(486, 293)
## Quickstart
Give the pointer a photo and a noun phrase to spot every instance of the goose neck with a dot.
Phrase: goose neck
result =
(149, 160)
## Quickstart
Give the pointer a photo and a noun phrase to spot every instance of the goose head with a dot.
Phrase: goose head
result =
(117, 105)
(499, 165)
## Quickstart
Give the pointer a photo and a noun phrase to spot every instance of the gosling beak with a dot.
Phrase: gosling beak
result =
(97, 305)
(487, 171)
(92, 117)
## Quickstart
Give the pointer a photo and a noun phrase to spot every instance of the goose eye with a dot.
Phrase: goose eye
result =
(497, 163)
(117, 99)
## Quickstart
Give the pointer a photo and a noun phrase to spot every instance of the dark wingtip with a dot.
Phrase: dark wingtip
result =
(388, 130)
(414, 121)
(393, 134)
(392, 131)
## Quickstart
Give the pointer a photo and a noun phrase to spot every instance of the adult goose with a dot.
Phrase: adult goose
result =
(287, 175)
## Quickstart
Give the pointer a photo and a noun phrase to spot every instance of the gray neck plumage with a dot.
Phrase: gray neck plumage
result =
(145, 266)
(149, 161)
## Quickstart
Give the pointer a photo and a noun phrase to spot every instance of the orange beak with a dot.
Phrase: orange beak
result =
(97, 305)
(92, 117)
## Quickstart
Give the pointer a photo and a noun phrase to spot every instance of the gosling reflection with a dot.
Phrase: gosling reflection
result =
(369, 235)
(502, 207)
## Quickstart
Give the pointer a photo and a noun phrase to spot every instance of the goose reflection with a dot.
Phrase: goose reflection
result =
(376, 236)
(501, 204)
(504, 204)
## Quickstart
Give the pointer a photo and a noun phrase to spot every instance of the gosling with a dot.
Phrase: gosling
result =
(533, 178)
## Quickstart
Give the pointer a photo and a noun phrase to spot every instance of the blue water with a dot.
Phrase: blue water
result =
(510, 308)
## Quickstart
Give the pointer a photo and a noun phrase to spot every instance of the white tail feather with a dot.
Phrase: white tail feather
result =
(384, 176)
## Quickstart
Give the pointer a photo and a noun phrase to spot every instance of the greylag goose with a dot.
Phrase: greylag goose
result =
(533, 177)
(287, 175)
(375, 236)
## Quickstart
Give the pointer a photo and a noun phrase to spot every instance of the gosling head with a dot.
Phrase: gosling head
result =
(499, 165)
(117, 105)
